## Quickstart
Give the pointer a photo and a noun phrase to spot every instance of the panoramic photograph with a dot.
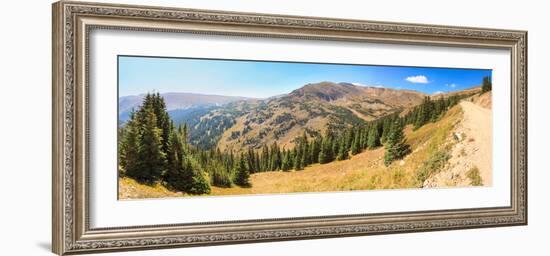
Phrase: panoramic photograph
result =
(212, 127)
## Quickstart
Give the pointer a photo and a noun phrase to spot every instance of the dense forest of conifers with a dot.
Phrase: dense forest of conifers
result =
(153, 149)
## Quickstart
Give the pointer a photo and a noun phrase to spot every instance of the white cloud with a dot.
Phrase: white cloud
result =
(451, 85)
(358, 84)
(417, 79)
(438, 92)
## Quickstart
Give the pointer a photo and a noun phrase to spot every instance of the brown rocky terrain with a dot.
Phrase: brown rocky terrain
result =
(471, 154)
(314, 108)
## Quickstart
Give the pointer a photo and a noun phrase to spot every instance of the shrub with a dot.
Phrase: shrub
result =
(219, 177)
(188, 178)
(433, 165)
(475, 178)
(200, 185)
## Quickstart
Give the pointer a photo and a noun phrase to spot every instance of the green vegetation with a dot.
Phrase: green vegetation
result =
(365, 171)
(432, 165)
(395, 146)
(218, 176)
(487, 85)
(153, 150)
(207, 125)
(431, 110)
(241, 172)
(475, 178)
(142, 155)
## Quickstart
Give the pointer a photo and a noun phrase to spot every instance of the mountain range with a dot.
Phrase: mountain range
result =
(176, 102)
(229, 122)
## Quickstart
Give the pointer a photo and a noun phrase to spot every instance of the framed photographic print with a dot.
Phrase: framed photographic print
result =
(179, 127)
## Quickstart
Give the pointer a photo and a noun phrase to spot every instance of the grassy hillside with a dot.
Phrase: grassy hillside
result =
(364, 171)
(131, 189)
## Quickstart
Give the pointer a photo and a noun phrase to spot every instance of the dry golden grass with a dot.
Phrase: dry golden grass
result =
(364, 171)
(131, 189)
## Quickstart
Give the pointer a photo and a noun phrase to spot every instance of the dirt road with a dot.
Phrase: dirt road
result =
(478, 126)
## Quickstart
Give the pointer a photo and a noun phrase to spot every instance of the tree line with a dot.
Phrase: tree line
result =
(153, 149)
(486, 85)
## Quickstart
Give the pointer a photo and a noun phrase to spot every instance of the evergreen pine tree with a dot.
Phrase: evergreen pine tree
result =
(198, 183)
(231, 159)
(323, 158)
(342, 150)
(251, 160)
(264, 160)
(356, 144)
(349, 136)
(184, 132)
(163, 120)
(129, 147)
(291, 157)
(336, 142)
(181, 175)
(315, 150)
(257, 162)
(305, 155)
(175, 153)
(425, 113)
(151, 158)
(326, 155)
(241, 173)
(298, 163)
(486, 85)
(219, 176)
(385, 129)
(363, 135)
(285, 164)
(395, 147)
(275, 163)
(373, 140)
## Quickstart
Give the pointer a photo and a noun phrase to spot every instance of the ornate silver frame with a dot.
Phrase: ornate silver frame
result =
(72, 22)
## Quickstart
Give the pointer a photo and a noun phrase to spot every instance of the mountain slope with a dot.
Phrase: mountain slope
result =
(473, 147)
(469, 91)
(364, 171)
(313, 109)
(239, 123)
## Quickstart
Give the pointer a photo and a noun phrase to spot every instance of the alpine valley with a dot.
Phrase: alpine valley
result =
(441, 150)
(235, 123)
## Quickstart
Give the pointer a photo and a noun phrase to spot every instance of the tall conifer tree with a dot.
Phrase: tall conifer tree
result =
(241, 172)
(315, 150)
(486, 84)
(373, 140)
(395, 147)
(129, 148)
(356, 144)
(342, 150)
(151, 158)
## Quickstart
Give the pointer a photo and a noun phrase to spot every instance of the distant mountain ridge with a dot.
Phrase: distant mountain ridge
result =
(229, 122)
(314, 109)
(176, 101)
(180, 100)
(329, 91)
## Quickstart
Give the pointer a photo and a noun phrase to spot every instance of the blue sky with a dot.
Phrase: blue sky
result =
(259, 79)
